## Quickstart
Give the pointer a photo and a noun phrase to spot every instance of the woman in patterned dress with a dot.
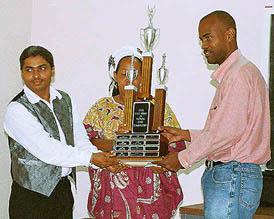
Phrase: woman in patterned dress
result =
(138, 192)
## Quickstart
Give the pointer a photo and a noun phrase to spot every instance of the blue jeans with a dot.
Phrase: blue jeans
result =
(232, 190)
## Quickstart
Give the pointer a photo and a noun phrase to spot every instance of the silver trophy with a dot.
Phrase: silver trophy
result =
(131, 75)
(162, 73)
(149, 35)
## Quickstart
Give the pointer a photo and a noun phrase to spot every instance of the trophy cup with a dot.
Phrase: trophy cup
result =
(160, 95)
(149, 39)
(149, 35)
(143, 115)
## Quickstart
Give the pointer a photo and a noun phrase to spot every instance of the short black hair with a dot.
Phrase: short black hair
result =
(35, 51)
(224, 17)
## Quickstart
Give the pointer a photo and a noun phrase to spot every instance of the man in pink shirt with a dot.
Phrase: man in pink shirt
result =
(236, 137)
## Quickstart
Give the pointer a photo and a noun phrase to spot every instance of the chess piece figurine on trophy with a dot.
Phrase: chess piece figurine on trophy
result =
(143, 143)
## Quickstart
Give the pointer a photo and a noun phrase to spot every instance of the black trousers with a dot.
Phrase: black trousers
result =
(26, 204)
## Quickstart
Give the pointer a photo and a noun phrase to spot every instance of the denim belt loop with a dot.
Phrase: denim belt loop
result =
(211, 164)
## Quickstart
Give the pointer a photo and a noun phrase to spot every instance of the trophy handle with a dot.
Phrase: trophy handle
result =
(142, 34)
(157, 37)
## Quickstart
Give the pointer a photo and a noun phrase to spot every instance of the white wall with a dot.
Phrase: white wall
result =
(15, 35)
(82, 35)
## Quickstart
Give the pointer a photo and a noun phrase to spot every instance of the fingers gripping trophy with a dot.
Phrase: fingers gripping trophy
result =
(143, 144)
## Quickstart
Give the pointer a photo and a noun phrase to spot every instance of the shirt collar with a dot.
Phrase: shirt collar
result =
(221, 71)
(34, 98)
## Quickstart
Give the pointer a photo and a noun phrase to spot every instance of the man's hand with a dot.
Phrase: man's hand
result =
(175, 134)
(170, 162)
(104, 159)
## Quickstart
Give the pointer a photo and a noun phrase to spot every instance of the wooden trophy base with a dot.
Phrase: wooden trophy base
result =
(139, 161)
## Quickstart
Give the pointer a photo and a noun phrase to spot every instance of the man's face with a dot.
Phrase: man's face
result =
(213, 37)
(37, 73)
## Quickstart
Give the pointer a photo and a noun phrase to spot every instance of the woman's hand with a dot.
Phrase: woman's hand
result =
(103, 144)
(123, 129)
(158, 169)
(118, 168)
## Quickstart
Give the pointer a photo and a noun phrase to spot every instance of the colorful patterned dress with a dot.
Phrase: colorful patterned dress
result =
(136, 192)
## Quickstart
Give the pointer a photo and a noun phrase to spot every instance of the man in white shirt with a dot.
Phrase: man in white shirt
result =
(47, 140)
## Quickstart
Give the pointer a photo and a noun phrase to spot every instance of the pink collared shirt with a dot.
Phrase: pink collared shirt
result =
(238, 122)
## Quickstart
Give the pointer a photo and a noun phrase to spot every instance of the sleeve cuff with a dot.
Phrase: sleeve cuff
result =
(85, 158)
(182, 159)
(91, 165)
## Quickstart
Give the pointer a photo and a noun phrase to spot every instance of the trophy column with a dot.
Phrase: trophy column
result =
(130, 94)
(159, 108)
(145, 91)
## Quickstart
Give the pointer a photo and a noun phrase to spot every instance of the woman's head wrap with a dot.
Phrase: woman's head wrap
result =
(114, 60)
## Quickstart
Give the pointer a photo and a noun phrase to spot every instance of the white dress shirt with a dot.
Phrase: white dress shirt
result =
(24, 128)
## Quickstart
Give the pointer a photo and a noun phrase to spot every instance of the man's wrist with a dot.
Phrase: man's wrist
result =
(186, 134)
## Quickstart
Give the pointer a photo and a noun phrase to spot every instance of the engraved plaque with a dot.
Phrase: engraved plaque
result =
(140, 145)
(141, 121)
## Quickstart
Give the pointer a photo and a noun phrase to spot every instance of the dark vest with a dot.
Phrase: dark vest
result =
(27, 170)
